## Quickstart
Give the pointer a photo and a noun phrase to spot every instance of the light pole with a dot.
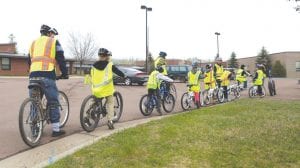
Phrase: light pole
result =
(146, 9)
(217, 33)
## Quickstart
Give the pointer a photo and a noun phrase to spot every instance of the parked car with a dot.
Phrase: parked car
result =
(133, 76)
(178, 72)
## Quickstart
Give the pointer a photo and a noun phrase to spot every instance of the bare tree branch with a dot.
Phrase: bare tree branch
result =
(82, 47)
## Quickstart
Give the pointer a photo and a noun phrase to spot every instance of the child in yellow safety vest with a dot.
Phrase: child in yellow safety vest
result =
(194, 76)
(153, 85)
(225, 78)
(258, 79)
(209, 79)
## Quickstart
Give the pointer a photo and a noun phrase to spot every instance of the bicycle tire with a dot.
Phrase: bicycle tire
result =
(64, 108)
(92, 115)
(169, 99)
(173, 90)
(145, 110)
(37, 129)
(251, 92)
(184, 101)
(220, 96)
(118, 106)
(205, 98)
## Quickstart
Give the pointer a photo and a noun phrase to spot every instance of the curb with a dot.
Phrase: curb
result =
(49, 153)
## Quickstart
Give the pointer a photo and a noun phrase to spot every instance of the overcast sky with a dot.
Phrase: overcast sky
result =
(182, 28)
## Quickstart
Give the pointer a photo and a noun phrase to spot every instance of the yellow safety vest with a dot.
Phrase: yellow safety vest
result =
(239, 76)
(193, 79)
(219, 71)
(224, 78)
(209, 80)
(42, 54)
(102, 81)
(153, 82)
(259, 80)
(162, 62)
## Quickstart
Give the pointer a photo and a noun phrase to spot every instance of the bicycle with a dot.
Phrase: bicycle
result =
(271, 85)
(233, 92)
(253, 91)
(168, 101)
(188, 98)
(34, 113)
(212, 94)
(93, 109)
(172, 88)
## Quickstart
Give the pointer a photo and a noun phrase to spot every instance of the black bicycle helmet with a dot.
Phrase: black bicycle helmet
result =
(45, 29)
(103, 51)
(54, 31)
(208, 66)
(162, 54)
(242, 66)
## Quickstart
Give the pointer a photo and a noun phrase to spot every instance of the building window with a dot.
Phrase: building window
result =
(5, 64)
(298, 66)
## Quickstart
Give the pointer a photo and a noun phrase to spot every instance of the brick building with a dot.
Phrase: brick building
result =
(12, 64)
(290, 60)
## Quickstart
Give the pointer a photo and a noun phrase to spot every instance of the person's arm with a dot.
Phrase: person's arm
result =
(60, 59)
(255, 76)
(163, 77)
(117, 71)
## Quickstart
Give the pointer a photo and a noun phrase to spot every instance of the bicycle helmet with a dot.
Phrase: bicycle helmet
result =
(162, 54)
(103, 51)
(208, 66)
(242, 66)
(44, 30)
(54, 31)
(159, 69)
(195, 65)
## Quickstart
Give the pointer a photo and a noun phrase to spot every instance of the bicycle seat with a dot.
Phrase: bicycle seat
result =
(35, 83)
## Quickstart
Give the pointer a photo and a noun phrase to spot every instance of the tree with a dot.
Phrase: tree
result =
(82, 47)
(233, 61)
(278, 70)
(263, 58)
(297, 8)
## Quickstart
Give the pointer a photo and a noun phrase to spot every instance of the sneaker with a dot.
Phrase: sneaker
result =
(59, 133)
(110, 124)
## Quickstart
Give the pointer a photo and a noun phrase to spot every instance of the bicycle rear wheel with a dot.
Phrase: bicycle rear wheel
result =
(251, 92)
(168, 103)
(146, 107)
(118, 106)
(185, 104)
(89, 117)
(30, 122)
(205, 100)
(220, 95)
(64, 108)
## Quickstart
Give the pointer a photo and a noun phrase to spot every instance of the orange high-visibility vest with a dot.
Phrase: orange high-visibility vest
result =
(42, 54)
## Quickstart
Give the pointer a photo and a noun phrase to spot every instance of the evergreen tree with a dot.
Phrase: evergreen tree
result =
(278, 70)
(233, 61)
(263, 58)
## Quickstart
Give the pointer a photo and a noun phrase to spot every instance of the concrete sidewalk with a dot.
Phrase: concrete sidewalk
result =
(44, 155)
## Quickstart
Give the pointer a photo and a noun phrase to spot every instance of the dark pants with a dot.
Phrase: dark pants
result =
(51, 93)
(154, 92)
(225, 92)
(259, 90)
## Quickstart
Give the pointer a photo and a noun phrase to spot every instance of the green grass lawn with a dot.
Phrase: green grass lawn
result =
(243, 133)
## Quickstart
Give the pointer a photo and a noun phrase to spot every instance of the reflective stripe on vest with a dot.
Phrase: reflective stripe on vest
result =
(102, 81)
(224, 78)
(194, 80)
(219, 70)
(239, 76)
(152, 81)
(259, 80)
(42, 53)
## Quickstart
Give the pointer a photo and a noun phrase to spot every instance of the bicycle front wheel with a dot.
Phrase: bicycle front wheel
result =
(251, 92)
(168, 103)
(30, 122)
(220, 95)
(64, 108)
(185, 104)
(118, 106)
(145, 106)
(89, 117)
(173, 90)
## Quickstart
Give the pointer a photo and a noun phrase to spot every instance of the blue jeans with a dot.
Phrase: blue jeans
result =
(51, 93)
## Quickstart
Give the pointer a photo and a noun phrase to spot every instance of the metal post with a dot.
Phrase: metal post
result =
(146, 40)
(217, 33)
